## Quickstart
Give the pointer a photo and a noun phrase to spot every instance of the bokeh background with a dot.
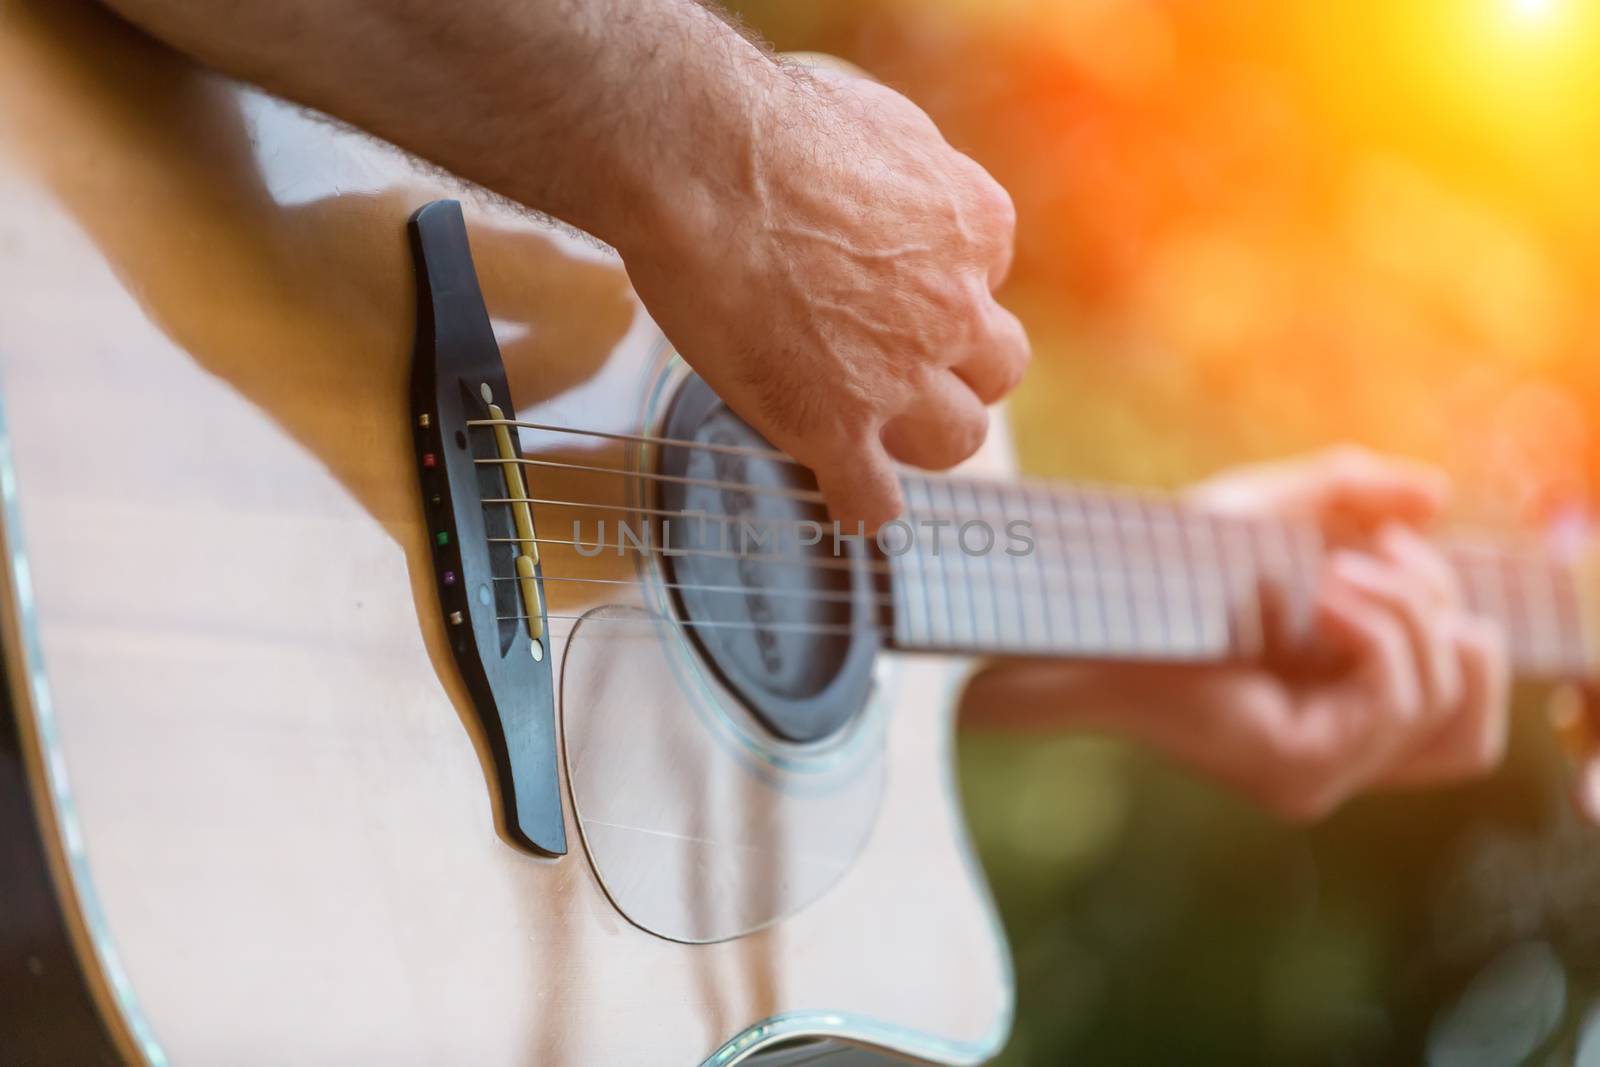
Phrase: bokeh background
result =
(1249, 228)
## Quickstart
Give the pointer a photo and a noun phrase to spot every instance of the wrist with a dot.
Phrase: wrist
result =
(698, 183)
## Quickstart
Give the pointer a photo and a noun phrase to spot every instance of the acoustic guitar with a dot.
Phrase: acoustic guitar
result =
(409, 660)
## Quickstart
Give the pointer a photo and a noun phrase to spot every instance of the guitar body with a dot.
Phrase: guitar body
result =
(253, 765)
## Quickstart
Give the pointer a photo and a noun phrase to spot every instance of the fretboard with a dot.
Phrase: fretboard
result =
(1118, 575)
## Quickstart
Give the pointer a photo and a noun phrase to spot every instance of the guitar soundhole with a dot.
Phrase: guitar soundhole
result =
(781, 609)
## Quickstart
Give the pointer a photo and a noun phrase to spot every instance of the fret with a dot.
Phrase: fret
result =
(1089, 623)
(1212, 598)
(913, 620)
(1239, 563)
(1175, 573)
(1006, 575)
(1031, 618)
(1056, 598)
(1145, 604)
(936, 592)
(1110, 580)
(983, 570)
(964, 598)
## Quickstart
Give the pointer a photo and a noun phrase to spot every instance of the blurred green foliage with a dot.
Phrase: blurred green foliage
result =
(1247, 228)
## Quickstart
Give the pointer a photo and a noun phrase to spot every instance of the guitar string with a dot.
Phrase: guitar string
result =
(1134, 640)
(1100, 579)
(1076, 536)
(1511, 564)
(1125, 573)
(1060, 524)
(834, 629)
(1112, 509)
(1022, 484)
(809, 495)
(1082, 531)
(999, 647)
(1523, 631)
(827, 595)
(1154, 572)
(647, 439)
(1110, 495)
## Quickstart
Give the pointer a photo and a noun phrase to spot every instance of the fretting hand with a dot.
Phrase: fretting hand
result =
(1419, 696)
(807, 239)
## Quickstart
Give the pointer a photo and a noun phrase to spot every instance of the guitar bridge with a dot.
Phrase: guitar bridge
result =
(480, 525)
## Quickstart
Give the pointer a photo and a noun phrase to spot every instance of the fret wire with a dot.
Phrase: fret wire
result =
(972, 589)
(936, 563)
(914, 560)
(912, 594)
(968, 615)
(1031, 634)
(1089, 618)
(1168, 535)
(1101, 521)
(1169, 609)
(1242, 617)
(1140, 629)
(1046, 603)
(988, 572)
(1247, 627)
(1156, 629)
(1227, 601)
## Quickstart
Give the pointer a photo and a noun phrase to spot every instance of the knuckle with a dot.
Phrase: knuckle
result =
(998, 206)
(1015, 346)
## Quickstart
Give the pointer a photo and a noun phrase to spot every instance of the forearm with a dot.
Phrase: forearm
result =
(617, 116)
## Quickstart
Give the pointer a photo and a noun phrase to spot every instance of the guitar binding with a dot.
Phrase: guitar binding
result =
(497, 629)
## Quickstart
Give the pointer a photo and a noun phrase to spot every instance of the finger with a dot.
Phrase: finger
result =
(998, 358)
(1405, 549)
(1231, 724)
(946, 424)
(1406, 597)
(861, 488)
(1379, 696)
(1370, 488)
(1340, 485)
(1472, 740)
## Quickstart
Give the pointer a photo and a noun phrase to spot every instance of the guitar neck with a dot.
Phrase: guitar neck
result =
(1098, 573)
